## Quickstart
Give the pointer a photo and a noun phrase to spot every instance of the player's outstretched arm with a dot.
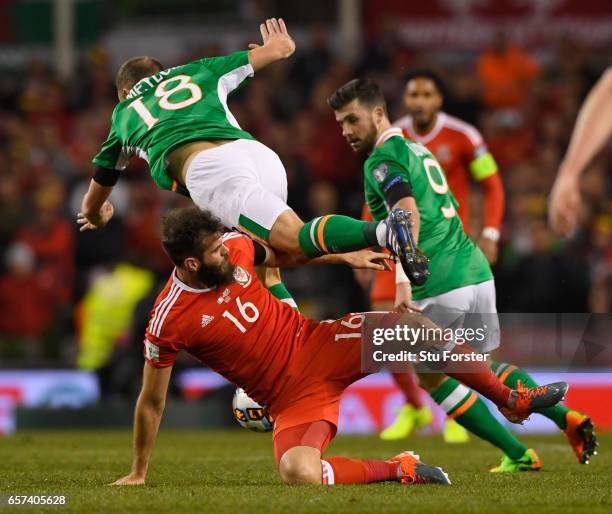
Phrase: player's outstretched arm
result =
(592, 129)
(96, 210)
(277, 44)
(147, 416)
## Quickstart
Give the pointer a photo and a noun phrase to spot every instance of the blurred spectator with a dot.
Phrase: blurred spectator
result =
(506, 73)
(106, 315)
(26, 304)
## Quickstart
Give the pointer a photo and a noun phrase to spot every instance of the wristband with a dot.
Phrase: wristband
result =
(491, 233)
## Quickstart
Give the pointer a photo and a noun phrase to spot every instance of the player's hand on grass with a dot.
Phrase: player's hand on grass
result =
(564, 205)
(489, 248)
(131, 479)
(274, 35)
(92, 222)
(403, 298)
(367, 260)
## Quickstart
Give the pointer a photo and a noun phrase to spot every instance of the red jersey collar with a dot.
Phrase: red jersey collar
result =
(185, 287)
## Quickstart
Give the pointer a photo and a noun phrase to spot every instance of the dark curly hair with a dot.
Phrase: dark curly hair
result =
(183, 232)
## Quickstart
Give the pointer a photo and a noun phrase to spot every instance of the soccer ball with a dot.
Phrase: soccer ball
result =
(249, 414)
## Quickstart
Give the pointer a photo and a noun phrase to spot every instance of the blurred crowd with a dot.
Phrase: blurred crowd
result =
(68, 297)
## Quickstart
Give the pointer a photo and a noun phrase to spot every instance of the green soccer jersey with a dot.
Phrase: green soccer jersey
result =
(173, 107)
(454, 260)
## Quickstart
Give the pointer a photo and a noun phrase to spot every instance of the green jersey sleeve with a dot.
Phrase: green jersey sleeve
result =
(382, 172)
(112, 155)
(234, 68)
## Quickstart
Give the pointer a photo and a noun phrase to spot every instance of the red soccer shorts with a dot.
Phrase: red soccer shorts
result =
(316, 434)
(326, 361)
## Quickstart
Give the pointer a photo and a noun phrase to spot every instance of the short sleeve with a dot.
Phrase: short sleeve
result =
(384, 174)
(112, 155)
(232, 70)
(158, 352)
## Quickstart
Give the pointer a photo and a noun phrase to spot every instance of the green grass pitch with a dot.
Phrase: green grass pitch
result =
(234, 472)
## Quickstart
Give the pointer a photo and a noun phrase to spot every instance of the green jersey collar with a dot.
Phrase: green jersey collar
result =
(390, 132)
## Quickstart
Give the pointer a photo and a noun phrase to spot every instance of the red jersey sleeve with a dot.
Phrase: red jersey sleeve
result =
(241, 248)
(160, 353)
(163, 338)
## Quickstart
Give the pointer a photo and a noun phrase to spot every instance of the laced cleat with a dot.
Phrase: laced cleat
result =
(415, 472)
(454, 433)
(402, 245)
(580, 433)
(408, 419)
(525, 400)
(528, 462)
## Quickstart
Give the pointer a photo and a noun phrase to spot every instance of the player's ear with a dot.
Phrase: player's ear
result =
(378, 113)
(191, 264)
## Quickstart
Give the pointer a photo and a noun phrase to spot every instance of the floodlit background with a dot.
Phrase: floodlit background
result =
(73, 307)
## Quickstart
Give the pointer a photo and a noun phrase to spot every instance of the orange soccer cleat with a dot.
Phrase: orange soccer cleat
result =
(525, 400)
(415, 472)
(580, 433)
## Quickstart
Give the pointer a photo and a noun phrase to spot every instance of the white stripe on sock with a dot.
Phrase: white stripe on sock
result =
(501, 369)
(455, 398)
(312, 232)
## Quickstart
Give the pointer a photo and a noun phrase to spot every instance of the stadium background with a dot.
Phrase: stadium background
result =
(73, 306)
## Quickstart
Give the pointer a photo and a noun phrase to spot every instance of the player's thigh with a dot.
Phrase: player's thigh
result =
(285, 231)
(226, 181)
(448, 310)
(485, 317)
(269, 168)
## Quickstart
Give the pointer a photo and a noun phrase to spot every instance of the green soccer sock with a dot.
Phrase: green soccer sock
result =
(471, 412)
(510, 375)
(337, 234)
(282, 293)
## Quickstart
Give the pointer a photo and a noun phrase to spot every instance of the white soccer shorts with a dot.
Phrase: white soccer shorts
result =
(466, 307)
(243, 183)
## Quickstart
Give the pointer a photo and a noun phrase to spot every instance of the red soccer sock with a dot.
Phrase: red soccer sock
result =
(356, 471)
(478, 376)
(408, 384)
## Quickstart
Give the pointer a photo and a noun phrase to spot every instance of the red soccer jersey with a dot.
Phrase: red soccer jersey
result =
(462, 153)
(241, 331)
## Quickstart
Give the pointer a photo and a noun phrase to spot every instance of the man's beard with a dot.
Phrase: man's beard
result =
(367, 143)
(220, 276)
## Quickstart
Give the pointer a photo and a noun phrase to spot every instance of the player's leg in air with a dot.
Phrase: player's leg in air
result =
(577, 427)
(244, 183)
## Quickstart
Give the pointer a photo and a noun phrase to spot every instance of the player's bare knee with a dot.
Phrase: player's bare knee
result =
(298, 467)
(285, 231)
